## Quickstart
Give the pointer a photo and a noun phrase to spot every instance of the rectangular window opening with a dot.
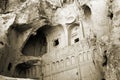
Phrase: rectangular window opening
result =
(56, 42)
(76, 40)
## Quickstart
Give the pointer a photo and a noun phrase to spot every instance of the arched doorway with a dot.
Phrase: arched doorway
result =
(73, 34)
(87, 11)
(36, 45)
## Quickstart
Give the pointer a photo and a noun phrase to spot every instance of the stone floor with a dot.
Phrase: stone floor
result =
(10, 78)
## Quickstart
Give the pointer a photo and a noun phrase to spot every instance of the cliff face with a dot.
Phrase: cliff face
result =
(112, 69)
(98, 21)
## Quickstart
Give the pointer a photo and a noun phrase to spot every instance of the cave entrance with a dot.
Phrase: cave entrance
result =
(36, 45)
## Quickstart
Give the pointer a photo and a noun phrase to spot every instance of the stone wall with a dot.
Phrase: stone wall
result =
(75, 26)
(58, 64)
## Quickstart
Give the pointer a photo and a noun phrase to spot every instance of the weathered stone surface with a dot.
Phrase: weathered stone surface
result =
(6, 20)
(78, 37)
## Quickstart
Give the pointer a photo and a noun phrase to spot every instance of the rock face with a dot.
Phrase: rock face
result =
(60, 39)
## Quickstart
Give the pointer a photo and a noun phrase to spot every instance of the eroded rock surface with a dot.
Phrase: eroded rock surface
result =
(38, 36)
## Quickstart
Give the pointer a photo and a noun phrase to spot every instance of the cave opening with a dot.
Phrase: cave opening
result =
(87, 11)
(105, 59)
(110, 15)
(21, 69)
(36, 45)
(9, 66)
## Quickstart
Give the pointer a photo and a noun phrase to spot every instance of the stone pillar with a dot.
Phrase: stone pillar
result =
(30, 72)
(66, 34)
(33, 72)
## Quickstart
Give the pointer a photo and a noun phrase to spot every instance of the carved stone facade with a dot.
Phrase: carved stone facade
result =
(60, 39)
